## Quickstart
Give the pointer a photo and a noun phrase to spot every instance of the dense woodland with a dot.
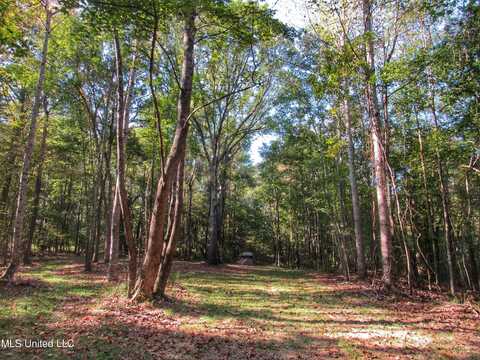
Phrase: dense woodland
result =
(126, 127)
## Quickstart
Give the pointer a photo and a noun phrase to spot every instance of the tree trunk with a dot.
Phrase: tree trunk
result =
(10, 159)
(108, 199)
(189, 225)
(430, 238)
(277, 232)
(115, 237)
(18, 241)
(167, 261)
(213, 217)
(357, 220)
(444, 192)
(447, 225)
(101, 179)
(122, 191)
(38, 188)
(378, 150)
(149, 271)
(470, 235)
(342, 224)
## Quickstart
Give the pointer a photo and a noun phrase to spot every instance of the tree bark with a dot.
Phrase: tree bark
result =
(213, 217)
(5, 203)
(115, 237)
(378, 150)
(276, 225)
(146, 281)
(189, 225)
(38, 188)
(167, 261)
(122, 191)
(108, 199)
(357, 220)
(18, 241)
(428, 201)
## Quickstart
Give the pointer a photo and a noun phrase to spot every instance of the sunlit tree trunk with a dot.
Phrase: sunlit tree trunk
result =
(114, 237)
(121, 155)
(378, 150)
(173, 235)
(146, 281)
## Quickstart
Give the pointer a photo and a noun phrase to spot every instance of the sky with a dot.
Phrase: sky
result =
(292, 13)
(257, 145)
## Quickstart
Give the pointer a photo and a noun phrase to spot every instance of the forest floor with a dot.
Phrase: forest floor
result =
(230, 312)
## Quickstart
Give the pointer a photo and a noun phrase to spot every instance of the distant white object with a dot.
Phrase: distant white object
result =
(246, 254)
(246, 258)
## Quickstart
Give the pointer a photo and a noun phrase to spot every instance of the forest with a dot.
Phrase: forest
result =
(233, 179)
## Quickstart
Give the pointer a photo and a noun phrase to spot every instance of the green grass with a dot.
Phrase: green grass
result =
(263, 313)
(269, 298)
(26, 309)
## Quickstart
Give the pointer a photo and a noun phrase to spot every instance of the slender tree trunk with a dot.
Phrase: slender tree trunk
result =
(122, 115)
(428, 202)
(378, 150)
(342, 225)
(91, 197)
(213, 217)
(444, 192)
(447, 225)
(113, 266)
(470, 237)
(146, 281)
(108, 222)
(357, 220)
(406, 248)
(101, 179)
(277, 231)
(18, 241)
(108, 199)
(148, 201)
(10, 159)
(38, 188)
(167, 261)
(122, 191)
(189, 227)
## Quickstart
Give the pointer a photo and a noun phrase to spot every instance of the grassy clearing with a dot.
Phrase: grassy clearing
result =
(231, 312)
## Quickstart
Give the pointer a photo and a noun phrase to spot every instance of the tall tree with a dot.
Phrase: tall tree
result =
(146, 280)
(379, 153)
(18, 236)
(38, 185)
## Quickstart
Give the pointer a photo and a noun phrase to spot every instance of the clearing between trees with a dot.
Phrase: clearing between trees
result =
(230, 312)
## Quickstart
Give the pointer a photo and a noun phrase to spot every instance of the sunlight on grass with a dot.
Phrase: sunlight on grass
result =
(286, 312)
(27, 307)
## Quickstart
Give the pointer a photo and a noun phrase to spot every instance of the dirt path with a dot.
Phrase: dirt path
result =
(242, 312)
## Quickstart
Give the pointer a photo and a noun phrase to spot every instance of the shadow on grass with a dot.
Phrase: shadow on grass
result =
(128, 338)
(115, 339)
(32, 301)
(268, 313)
